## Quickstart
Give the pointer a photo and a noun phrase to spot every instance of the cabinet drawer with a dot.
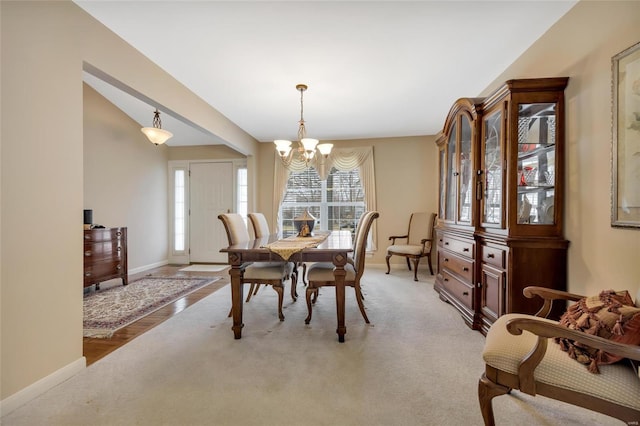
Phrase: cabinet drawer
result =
(461, 291)
(494, 256)
(106, 234)
(464, 248)
(100, 270)
(457, 265)
(95, 252)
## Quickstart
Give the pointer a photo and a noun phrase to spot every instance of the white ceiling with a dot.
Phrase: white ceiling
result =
(374, 69)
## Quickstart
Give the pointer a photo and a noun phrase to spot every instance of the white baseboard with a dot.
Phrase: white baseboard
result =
(147, 267)
(36, 389)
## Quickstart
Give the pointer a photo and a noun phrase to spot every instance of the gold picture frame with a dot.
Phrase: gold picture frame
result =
(625, 194)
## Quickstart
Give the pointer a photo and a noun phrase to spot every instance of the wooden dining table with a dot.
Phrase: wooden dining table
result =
(334, 248)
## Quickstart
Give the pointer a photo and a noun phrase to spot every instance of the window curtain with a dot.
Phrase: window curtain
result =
(360, 158)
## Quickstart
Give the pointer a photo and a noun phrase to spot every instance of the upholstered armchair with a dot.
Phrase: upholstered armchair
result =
(321, 274)
(270, 273)
(261, 230)
(521, 353)
(418, 242)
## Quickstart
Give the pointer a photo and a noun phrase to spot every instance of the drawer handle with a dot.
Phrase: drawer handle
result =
(447, 243)
(446, 279)
(446, 259)
(440, 239)
(491, 255)
(465, 269)
(118, 267)
(87, 237)
(465, 293)
(465, 249)
(119, 248)
(87, 274)
(87, 253)
(118, 234)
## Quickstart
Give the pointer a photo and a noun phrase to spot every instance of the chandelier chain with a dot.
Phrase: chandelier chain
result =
(156, 120)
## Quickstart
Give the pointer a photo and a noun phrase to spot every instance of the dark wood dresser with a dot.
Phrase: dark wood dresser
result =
(105, 255)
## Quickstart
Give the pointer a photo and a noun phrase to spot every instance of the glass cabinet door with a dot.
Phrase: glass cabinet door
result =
(450, 207)
(536, 164)
(492, 168)
(466, 168)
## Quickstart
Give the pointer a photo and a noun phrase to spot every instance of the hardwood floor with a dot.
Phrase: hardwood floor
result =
(95, 349)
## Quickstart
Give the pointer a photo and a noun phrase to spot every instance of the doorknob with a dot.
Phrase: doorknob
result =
(228, 210)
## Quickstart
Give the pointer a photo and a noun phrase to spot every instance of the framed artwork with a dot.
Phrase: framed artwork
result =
(625, 194)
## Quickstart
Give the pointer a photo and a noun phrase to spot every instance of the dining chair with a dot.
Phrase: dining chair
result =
(321, 274)
(260, 230)
(419, 239)
(268, 273)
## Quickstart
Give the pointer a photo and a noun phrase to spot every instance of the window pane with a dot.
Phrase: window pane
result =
(242, 193)
(179, 207)
(336, 203)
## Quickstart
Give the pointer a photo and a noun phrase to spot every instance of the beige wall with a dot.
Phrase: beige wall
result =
(44, 46)
(406, 181)
(580, 46)
(125, 180)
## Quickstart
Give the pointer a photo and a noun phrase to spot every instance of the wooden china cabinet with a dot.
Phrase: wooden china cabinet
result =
(501, 191)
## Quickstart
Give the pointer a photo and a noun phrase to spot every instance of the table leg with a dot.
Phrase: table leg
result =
(236, 300)
(339, 274)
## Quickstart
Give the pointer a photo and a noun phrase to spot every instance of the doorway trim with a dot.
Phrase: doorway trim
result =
(181, 257)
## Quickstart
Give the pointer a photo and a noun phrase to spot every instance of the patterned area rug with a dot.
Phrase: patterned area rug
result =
(109, 310)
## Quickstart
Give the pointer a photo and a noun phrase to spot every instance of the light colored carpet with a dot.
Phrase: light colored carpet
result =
(204, 268)
(416, 364)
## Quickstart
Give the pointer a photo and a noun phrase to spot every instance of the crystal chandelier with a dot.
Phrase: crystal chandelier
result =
(306, 149)
(155, 133)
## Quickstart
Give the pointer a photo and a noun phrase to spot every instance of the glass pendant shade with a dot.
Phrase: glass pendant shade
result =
(283, 147)
(157, 136)
(309, 144)
(325, 148)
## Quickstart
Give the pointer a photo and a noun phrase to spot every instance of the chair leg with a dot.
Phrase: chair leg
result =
(408, 263)
(294, 284)
(388, 266)
(251, 292)
(487, 390)
(309, 308)
(280, 291)
(359, 298)
(430, 266)
(304, 274)
(415, 267)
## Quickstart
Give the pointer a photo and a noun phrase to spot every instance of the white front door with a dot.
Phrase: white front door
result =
(211, 193)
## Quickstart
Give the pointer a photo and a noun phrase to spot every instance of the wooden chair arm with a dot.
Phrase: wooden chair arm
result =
(393, 238)
(548, 295)
(547, 330)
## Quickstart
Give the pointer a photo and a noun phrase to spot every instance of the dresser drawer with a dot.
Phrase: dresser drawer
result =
(457, 265)
(461, 291)
(494, 256)
(101, 271)
(106, 234)
(464, 248)
(94, 252)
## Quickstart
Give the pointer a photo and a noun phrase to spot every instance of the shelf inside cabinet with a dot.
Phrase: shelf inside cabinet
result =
(542, 149)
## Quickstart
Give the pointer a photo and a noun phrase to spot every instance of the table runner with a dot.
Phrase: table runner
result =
(286, 247)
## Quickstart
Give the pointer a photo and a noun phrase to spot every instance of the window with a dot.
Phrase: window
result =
(337, 202)
(242, 191)
(179, 210)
